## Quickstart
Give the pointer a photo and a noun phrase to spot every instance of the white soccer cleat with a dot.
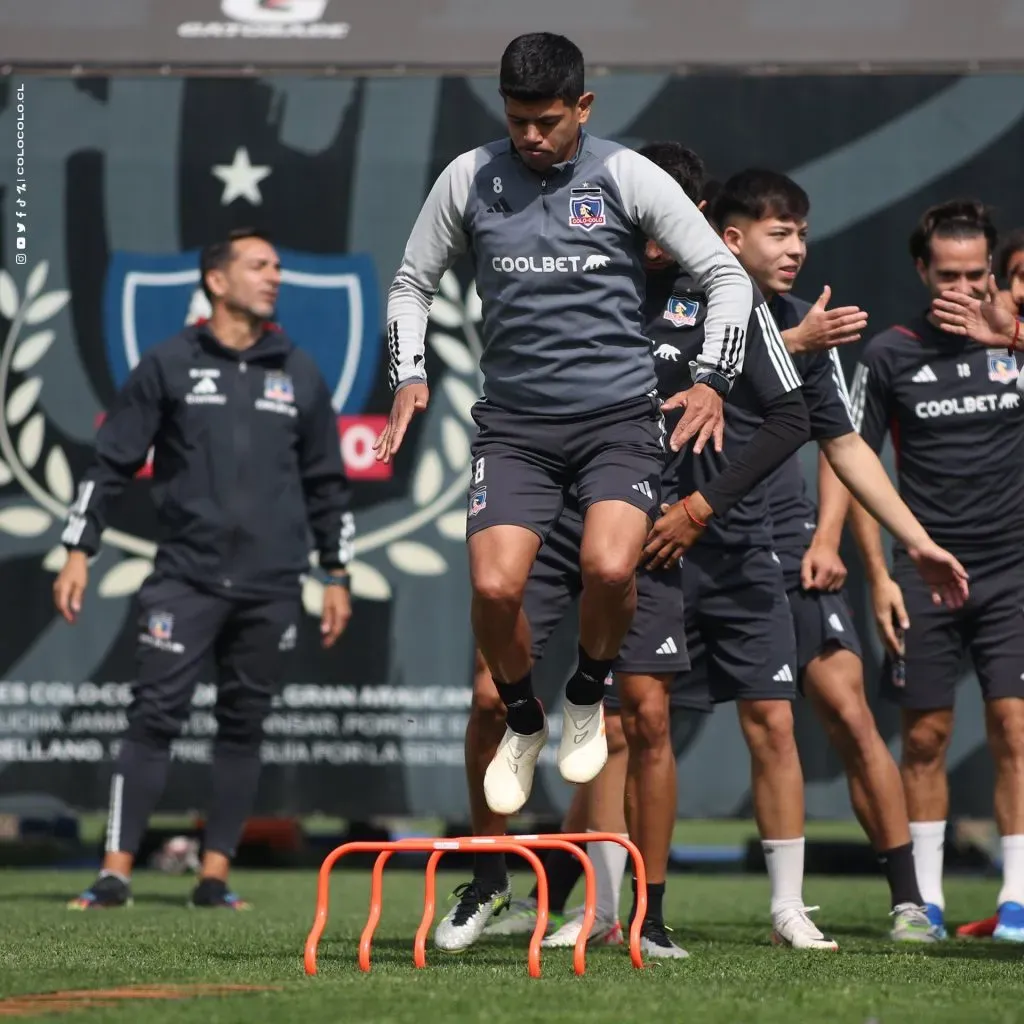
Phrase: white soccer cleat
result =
(509, 777)
(794, 928)
(583, 751)
(465, 922)
(656, 945)
(603, 933)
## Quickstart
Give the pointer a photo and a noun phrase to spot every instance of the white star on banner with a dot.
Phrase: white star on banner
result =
(241, 179)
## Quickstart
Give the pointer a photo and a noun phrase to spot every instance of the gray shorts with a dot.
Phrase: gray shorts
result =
(524, 463)
(739, 630)
(821, 620)
(989, 628)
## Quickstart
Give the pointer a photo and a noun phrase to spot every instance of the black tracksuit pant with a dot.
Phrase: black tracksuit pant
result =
(180, 625)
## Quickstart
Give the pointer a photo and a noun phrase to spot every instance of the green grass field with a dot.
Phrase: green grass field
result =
(733, 974)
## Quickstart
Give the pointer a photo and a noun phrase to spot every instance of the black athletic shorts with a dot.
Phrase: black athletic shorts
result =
(989, 628)
(739, 630)
(655, 643)
(524, 463)
(821, 620)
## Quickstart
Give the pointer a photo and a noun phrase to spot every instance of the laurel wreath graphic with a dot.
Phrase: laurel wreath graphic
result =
(438, 487)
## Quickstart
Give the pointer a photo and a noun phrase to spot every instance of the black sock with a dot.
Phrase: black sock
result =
(563, 871)
(655, 895)
(899, 871)
(137, 785)
(587, 683)
(524, 713)
(234, 782)
(490, 869)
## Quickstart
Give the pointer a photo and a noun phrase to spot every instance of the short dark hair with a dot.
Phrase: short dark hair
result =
(680, 163)
(542, 66)
(959, 218)
(756, 194)
(1014, 244)
(217, 255)
(711, 191)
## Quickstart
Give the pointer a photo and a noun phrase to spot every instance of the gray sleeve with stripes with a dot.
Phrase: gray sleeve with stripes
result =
(656, 203)
(437, 239)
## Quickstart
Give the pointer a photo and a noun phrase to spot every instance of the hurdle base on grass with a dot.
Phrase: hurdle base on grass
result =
(523, 846)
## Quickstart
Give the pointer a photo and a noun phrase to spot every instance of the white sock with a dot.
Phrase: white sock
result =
(929, 838)
(609, 861)
(1013, 871)
(785, 860)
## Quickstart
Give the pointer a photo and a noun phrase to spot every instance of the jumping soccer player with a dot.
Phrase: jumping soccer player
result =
(766, 421)
(953, 408)
(555, 221)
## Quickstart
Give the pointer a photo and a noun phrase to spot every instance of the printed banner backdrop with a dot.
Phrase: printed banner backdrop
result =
(127, 178)
(457, 35)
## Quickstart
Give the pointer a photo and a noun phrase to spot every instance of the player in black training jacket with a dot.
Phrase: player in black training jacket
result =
(769, 421)
(764, 217)
(953, 409)
(246, 464)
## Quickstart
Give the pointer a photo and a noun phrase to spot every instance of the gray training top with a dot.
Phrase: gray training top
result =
(559, 270)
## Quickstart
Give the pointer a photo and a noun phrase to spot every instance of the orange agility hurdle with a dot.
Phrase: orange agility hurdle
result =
(639, 872)
(437, 848)
(520, 845)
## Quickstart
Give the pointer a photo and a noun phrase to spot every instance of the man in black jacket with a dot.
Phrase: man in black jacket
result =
(246, 463)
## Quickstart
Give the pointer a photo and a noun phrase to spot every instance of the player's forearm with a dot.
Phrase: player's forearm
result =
(861, 470)
(730, 297)
(408, 309)
(868, 536)
(785, 428)
(833, 504)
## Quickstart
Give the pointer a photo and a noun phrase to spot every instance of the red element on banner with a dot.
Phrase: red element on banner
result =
(147, 470)
(356, 435)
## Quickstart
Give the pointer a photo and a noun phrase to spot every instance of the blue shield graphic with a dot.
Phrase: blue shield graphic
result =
(681, 312)
(328, 305)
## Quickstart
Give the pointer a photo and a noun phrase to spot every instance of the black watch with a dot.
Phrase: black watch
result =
(338, 581)
(716, 381)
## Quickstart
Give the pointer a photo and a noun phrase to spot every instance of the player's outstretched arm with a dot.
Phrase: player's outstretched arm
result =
(437, 239)
(862, 472)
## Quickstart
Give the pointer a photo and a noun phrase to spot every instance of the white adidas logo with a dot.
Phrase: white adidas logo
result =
(645, 489)
(835, 623)
(668, 647)
(926, 375)
(784, 675)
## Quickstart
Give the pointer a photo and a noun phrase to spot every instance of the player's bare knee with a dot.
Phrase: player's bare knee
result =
(925, 739)
(1005, 722)
(652, 722)
(768, 728)
(612, 570)
(848, 718)
(498, 586)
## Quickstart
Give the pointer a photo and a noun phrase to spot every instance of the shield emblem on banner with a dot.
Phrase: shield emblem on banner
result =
(327, 305)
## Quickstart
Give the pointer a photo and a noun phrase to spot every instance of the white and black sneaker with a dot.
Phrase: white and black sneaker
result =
(655, 943)
(478, 902)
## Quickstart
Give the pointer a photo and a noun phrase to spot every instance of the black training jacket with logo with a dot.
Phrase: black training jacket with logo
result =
(246, 464)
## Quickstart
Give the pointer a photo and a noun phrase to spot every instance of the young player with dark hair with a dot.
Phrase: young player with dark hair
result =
(952, 406)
